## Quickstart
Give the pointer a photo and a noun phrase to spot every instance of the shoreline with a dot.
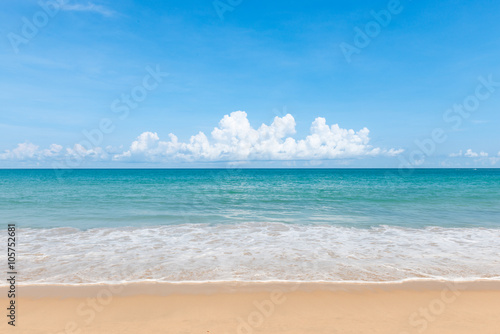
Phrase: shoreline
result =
(159, 288)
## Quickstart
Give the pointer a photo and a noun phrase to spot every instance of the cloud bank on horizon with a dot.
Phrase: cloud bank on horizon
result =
(233, 140)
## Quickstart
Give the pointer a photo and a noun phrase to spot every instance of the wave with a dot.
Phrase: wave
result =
(256, 252)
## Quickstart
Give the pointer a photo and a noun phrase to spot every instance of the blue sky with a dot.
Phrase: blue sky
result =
(266, 58)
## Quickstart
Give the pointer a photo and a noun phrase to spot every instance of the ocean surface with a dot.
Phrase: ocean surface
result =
(362, 225)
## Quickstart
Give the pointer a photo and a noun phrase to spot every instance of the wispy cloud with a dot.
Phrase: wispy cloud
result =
(477, 156)
(87, 7)
(469, 153)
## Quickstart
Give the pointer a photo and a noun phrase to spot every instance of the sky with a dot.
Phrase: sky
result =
(205, 83)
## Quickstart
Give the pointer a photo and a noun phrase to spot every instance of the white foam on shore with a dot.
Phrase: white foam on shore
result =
(256, 252)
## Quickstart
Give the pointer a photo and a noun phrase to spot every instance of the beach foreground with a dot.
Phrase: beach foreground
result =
(257, 308)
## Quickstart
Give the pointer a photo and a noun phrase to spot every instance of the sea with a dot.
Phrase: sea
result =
(203, 225)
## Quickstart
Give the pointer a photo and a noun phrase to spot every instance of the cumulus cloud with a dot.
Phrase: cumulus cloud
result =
(236, 140)
(233, 140)
(469, 154)
(30, 152)
(79, 151)
(479, 157)
(24, 151)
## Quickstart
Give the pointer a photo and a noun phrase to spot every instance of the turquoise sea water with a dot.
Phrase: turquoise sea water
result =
(254, 224)
(355, 198)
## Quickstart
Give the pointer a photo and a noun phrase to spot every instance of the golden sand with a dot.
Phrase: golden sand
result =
(256, 308)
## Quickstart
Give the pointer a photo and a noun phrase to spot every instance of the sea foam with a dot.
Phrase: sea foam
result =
(256, 252)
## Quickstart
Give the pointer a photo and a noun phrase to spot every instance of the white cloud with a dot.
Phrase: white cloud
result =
(454, 155)
(79, 151)
(470, 154)
(88, 7)
(24, 151)
(233, 140)
(31, 152)
(494, 160)
(478, 157)
(236, 140)
(52, 151)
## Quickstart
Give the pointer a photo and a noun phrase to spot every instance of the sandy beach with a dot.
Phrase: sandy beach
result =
(250, 167)
(258, 308)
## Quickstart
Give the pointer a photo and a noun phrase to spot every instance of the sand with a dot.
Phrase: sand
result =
(256, 308)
